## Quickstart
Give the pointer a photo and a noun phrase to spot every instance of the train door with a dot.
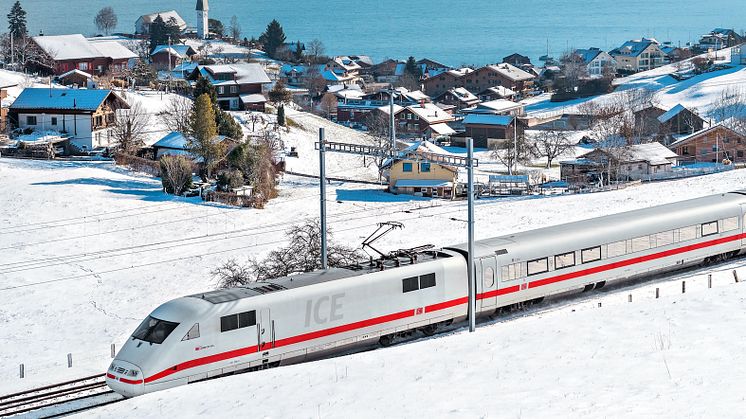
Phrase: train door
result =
(488, 278)
(265, 331)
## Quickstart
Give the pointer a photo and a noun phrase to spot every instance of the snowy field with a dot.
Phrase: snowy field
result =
(89, 249)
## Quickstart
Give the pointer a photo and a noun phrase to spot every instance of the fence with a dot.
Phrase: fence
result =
(139, 164)
(229, 198)
(684, 172)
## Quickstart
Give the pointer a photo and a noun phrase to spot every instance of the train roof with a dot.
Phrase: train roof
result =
(311, 278)
(591, 232)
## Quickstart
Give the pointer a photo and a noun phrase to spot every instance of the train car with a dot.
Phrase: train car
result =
(585, 254)
(304, 316)
(288, 320)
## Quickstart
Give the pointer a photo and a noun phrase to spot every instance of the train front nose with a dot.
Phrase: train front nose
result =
(125, 378)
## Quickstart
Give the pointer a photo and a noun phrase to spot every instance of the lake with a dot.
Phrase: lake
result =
(451, 31)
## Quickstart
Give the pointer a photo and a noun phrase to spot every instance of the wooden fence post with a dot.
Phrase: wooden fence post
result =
(113, 350)
(709, 281)
(735, 275)
(683, 287)
(69, 360)
(23, 372)
(599, 304)
(657, 292)
(630, 298)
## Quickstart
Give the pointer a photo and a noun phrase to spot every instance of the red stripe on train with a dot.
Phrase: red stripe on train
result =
(436, 307)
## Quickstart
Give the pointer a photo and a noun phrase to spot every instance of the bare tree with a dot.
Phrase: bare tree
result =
(315, 49)
(551, 144)
(408, 81)
(379, 130)
(314, 81)
(106, 20)
(328, 104)
(176, 174)
(176, 116)
(302, 254)
(130, 130)
(234, 29)
(730, 106)
(573, 70)
(511, 153)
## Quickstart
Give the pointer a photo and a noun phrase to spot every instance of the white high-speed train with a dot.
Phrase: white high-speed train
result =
(304, 316)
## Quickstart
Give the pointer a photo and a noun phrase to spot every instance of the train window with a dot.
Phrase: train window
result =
(730, 224)
(228, 323)
(709, 228)
(538, 266)
(154, 330)
(564, 260)
(590, 255)
(488, 278)
(616, 249)
(409, 284)
(193, 333)
(663, 239)
(427, 281)
(640, 243)
(247, 319)
(687, 233)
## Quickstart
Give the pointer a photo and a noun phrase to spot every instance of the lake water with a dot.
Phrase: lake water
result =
(452, 31)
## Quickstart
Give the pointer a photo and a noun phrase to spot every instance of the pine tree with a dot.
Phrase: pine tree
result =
(204, 130)
(228, 126)
(203, 86)
(298, 53)
(17, 21)
(272, 38)
(281, 116)
(280, 94)
(157, 32)
(412, 68)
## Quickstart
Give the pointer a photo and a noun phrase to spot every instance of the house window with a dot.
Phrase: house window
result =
(639, 167)
(709, 228)
(407, 167)
(30, 120)
(424, 167)
(685, 150)
(221, 90)
(234, 89)
(82, 66)
(590, 255)
(564, 260)
(739, 153)
(54, 120)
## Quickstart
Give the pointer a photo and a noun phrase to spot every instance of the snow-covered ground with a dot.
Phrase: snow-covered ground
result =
(89, 249)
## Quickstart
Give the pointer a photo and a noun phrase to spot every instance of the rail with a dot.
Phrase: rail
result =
(61, 398)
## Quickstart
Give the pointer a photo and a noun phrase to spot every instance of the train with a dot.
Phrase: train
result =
(310, 315)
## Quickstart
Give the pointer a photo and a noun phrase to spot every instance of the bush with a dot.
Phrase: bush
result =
(229, 180)
(176, 174)
(281, 116)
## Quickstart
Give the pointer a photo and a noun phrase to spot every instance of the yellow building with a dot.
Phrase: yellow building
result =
(421, 177)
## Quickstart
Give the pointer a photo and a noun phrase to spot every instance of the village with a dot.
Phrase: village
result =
(586, 121)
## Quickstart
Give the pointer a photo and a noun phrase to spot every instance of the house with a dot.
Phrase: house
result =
(713, 144)
(387, 71)
(164, 57)
(738, 55)
(431, 68)
(638, 55)
(86, 116)
(506, 75)
(720, 38)
(595, 61)
(77, 78)
(417, 176)
(142, 24)
(62, 53)
(344, 66)
(495, 93)
(436, 85)
(674, 53)
(238, 86)
(664, 124)
(487, 129)
(517, 60)
(4, 107)
(423, 120)
(458, 97)
(629, 162)
(175, 143)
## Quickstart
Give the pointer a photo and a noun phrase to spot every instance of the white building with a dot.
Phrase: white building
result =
(202, 19)
(142, 24)
(595, 61)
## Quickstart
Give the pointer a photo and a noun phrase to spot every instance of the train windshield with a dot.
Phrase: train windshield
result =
(154, 330)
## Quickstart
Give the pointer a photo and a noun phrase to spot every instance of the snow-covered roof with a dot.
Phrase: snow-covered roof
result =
(112, 49)
(655, 153)
(166, 15)
(67, 99)
(498, 90)
(385, 109)
(671, 113)
(462, 95)
(173, 140)
(442, 129)
(511, 72)
(430, 113)
(417, 147)
(75, 71)
(588, 55)
(243, 73)
(495, 106)
(253, 98)
(414, 95)
(67, 47)
(487, 119)
(346, 62)
(634, 47)
(179, 50)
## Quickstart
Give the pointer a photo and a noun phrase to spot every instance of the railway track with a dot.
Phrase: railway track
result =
(59, 399)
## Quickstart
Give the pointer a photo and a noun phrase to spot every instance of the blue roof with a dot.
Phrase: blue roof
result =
(488, 119)
(69, 99)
